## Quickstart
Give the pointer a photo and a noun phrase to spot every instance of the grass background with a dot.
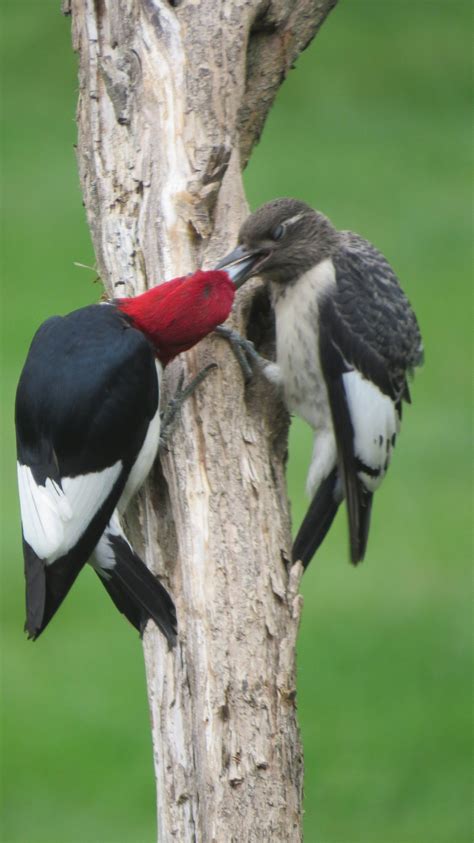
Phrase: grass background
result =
(372, 127)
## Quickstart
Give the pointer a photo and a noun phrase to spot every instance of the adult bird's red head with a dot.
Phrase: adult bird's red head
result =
(178, 313)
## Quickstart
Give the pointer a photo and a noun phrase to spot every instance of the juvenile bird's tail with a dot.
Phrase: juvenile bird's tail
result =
(317, 520)
(132, 587)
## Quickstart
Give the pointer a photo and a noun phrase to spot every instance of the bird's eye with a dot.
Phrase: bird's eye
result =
(278, 232)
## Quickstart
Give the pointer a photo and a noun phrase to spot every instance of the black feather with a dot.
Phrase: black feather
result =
(376, 329)
(46, 588)
(358, 499)
(365, 510)
(121, 599)
(35, 581)
(317, 521)
(137, 593)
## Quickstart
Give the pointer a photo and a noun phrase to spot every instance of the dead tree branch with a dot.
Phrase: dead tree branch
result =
(172, 98)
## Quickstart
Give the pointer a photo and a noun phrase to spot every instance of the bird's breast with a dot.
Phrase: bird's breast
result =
(297, 345)
(147, 454)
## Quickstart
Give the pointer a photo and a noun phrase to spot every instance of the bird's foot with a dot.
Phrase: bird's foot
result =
(244, 350)
(168, 417)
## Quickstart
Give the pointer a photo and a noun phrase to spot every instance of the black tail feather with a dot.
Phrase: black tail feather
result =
(137, 593)
(124, 603)
(35, 578)
(317, 520)
(358, 498)
(365, 508)
(46, 588)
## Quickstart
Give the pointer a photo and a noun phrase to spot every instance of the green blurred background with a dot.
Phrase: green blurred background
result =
(372, 127)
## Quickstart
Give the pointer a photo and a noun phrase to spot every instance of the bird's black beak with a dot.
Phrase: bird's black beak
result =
(242, 263)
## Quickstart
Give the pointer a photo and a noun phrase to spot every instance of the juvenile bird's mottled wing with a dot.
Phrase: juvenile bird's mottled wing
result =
(375, 310)
(369, 343)
(81, 417)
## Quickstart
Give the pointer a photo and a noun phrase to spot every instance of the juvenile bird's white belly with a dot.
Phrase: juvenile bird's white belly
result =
(297, 345)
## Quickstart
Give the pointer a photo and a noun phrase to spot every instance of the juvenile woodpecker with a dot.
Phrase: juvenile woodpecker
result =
(346, 341)
(88, 426)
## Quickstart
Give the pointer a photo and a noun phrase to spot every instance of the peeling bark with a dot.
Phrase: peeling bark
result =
(172, 98)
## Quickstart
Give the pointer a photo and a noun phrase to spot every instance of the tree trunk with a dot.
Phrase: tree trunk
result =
(173, 95)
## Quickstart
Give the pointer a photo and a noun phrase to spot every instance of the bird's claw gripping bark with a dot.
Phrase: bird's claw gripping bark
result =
(244, 350)
(168, 417)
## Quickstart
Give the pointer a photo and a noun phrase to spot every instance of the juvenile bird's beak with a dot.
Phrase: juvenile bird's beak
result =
(242, 263)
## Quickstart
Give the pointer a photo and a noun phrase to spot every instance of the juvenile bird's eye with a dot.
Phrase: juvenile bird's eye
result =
(278, 232)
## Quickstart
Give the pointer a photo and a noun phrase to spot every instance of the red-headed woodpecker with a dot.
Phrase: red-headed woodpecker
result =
(88, 426)
(346, 341)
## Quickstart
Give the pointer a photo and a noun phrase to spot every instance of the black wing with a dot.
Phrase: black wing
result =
(374, 320)
(369, 343)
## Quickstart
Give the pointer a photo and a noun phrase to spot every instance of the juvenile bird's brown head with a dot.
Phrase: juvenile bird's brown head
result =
(280, 241)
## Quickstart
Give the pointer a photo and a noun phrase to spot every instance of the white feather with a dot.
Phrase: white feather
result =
(54, 519)
(146, 456)
(292, 220)
(297, 344)
(298, 366)
(323, 460)
(103, 559)
(44, 510)
(375, 422)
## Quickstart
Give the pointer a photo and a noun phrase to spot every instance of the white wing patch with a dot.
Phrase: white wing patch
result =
(375, 422)
(54, 519)
(44, 510)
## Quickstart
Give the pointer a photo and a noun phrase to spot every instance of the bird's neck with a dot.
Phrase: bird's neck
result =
(304, 290)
